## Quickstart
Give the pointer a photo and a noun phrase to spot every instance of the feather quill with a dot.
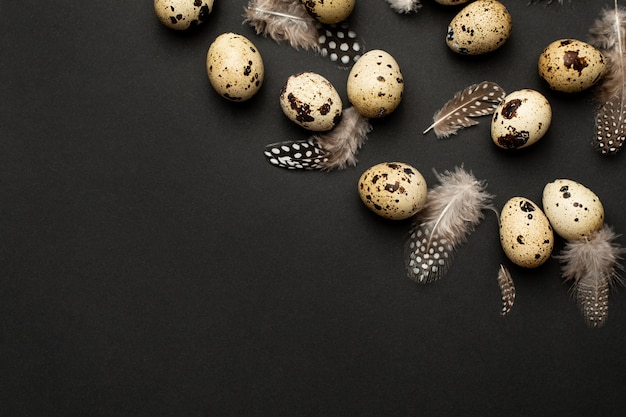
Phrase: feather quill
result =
(608, 35)
(335, 149)
(476, 100)
(592, 265)
(507, 289)
(453, 209)
(288, 21)
(405, 6)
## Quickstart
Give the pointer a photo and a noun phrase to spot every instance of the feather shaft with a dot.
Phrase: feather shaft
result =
(453, 209)
(474, 101)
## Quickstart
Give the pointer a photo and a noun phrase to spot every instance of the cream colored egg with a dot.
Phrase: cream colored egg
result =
(525, 233)
(329, 11)
(235, 67)
(480, 27)
(393, 190)
(451, 2)
(375, 84)
(521, 119)
(310, 100)
(182, 14)
(573, 209)
(570, 65)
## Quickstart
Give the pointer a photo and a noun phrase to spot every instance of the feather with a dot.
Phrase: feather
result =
(608, 35)
(283, 21)
(405, 6)
(474, 101)
(592, 265)
(335, 149)
(453, 209)
(507, 289)
(288, 21)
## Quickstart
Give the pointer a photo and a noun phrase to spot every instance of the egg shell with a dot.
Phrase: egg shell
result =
(375, 84)
(451, 2)
(573, 209)
(526, 235)
(310, 100)
(480, 27)
(570, 65)
(329, 11)
(235, 67)
(521, 119)
(393, 190)
(182, 14)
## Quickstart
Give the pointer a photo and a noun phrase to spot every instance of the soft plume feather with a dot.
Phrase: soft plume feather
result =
(405, 6)
(507, 290)
(453, 209)
(474, 101)
(335, 149)
(608, 35)
(283, 21)
(592, 265)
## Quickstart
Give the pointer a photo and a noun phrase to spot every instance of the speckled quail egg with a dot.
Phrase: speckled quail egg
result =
(393, 190)
(329, 11)
(526, 235)
(573, 209)
(451, 2)
(235, 67)
(310, 100)
(480, 27)
(570, 65)
(521, 119)
(182, 14)
(375, 84)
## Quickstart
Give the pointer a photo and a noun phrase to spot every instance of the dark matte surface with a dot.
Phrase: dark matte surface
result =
(152, 263)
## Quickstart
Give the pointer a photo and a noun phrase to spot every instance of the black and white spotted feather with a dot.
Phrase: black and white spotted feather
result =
(405, 6)
(474, 101)
(608, 34)
(335, 149)
(507, 290)
(288, 21)
(591, 265)
(453, 209)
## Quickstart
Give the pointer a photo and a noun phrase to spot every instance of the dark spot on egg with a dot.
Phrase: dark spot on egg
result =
(509, 110)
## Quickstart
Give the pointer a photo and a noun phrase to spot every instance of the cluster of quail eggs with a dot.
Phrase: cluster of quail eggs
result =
(527, 233)
(375, 86)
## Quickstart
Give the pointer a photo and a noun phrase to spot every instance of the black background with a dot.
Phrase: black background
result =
(152, 263)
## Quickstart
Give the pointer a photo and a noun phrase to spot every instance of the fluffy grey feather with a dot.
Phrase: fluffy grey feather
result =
(453, 209)
(507, 289)
(405, 6)
(592, 265)
(335, 149)
(474, 101)
(608, 35)
(283, 21)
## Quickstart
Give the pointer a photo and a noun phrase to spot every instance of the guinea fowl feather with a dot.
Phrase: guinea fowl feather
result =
(591, 265)
(474, 101)
(608, 35)
(453, 209)
(335, 149)
(289, 21)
